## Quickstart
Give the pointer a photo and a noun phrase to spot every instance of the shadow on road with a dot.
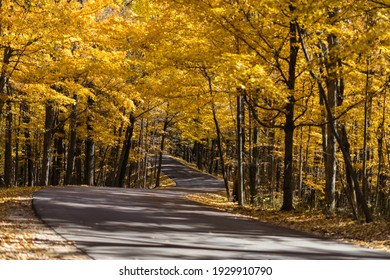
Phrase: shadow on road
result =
(110, 223)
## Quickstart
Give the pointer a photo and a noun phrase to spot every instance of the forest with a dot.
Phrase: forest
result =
(286, 101)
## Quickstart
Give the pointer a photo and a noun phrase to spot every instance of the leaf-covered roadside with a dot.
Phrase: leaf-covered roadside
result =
(373, 235)
(23, 236)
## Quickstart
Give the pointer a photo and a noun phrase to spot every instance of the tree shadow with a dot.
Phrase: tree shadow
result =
(110, 223)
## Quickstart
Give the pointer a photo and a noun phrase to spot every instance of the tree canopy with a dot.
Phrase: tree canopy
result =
(286, 100)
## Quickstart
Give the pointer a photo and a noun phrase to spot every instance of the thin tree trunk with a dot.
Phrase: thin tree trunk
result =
(58, 161)
(350, 184)
(359, 194)
(140, 158)
(124, 157)
(162, 147)
(300, 163)
(253, 169)
(330, 163)
(240, 151)
(28, 148)
(78, 179)
(380, 139)
(145, 156)
(70, 161)
(288, 162)
(8, 161)
(4, 75)
(100, 176)
(219, 137)
(89, 164)
(47, 144)
(89, 167)
(365, 135)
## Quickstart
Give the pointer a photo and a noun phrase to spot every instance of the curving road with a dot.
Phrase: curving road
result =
(109, 223)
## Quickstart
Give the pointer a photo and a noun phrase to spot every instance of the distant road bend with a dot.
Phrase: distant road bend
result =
(111, 223)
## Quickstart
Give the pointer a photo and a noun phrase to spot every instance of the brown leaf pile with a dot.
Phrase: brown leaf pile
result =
(373, 235)
(23, 236)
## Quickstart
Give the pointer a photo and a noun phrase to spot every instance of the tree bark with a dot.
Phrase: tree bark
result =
(240, 151)
(89, 164)
(70, 161)
(219, 137)
(333, 92)
(28, 148)
(381, 159)
(365, 181)
(162, 147)
(124, 157)
(59, 153)
(78, 179)
(47, 144)
(8, 161)
(253, 168)
(289, 126)
(359, 194)
(288, 160)
(4, 75)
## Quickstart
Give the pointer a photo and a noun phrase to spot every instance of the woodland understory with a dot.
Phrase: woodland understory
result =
(286, 101)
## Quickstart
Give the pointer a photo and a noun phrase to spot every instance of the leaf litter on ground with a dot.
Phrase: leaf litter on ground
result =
(23, 236)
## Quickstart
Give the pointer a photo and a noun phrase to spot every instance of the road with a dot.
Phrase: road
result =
(111, 223)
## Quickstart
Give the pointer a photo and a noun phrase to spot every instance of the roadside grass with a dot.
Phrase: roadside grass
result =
(374, 235)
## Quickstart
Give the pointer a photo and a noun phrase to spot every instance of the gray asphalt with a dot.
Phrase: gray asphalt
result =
(111, 223)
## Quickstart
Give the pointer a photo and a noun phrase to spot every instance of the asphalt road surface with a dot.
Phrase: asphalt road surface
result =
(111, 223)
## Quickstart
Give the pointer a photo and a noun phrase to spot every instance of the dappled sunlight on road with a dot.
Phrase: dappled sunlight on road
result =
(110, 223)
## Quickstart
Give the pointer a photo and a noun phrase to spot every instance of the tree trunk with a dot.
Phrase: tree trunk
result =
(212, 157)
(8, 161)
(381, 159)
(78, 179)
(59, 154)
(289, 126)
(47, 144)
(4, 75)
(124, 158)
(89, 167)
(330, 160)
(89, 164)
(219, 137)
(28, 149)
(162, 147)
(300, 163)
(253, 168)
(70, 161)
(288, 160)
(240, 151)
(350, 185)
(365, 183)
(359, 194)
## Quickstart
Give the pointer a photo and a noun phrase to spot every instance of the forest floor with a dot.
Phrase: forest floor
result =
(375, 235)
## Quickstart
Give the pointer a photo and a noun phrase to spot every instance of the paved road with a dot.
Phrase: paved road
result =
(109, 223)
